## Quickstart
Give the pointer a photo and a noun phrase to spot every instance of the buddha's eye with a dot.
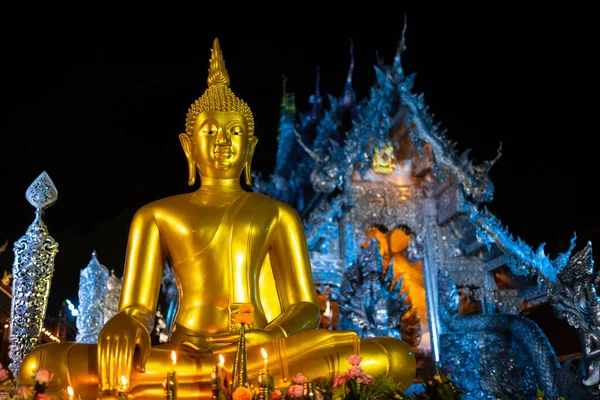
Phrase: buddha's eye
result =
(236, 130)
(210, 130)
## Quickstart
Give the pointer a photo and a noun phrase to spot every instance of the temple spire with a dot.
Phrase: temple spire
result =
(397, 67)
(349, 98)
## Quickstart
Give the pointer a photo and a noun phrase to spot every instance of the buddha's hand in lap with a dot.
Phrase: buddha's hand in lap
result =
(118, 341)
(254, 337)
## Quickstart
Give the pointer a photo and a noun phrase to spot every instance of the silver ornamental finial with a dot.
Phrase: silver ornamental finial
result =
(32, 272)
(42, 192)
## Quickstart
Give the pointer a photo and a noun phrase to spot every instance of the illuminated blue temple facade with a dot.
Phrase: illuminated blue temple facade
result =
(402, 244)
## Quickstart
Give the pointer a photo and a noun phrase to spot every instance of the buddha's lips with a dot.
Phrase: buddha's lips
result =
(223, 153)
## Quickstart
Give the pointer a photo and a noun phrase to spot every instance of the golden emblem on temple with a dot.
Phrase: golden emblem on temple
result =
(384, 161)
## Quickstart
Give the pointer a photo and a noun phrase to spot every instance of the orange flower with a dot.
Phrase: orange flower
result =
(242, 393)
(243, 319)
(245, 315)
(246, 308)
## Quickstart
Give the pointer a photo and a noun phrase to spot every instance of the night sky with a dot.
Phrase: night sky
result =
(100, 108)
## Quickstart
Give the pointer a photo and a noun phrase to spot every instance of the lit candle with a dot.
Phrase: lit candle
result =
(171, 379)
(265, 358)
(70, 392)
(263, 376)
(123, 383)
(123, 387)
(222, 372)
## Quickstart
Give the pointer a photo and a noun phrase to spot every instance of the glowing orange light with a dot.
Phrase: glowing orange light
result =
(173, 357)
(70, 392)
(221, 360)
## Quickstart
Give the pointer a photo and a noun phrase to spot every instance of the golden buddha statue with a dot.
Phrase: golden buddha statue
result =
(227, 247)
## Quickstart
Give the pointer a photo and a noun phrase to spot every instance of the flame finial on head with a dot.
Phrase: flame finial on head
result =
(218, 96)
(217, 73)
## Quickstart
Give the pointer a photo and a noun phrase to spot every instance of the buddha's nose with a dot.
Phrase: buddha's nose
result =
(223, 138)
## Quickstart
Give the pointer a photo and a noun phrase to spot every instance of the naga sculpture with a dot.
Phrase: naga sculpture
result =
(372, 302)
(573, 297)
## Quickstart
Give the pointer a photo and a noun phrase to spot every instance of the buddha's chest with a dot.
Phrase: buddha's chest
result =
(232, 232)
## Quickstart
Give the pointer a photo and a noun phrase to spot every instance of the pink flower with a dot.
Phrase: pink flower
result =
(319, 395)
(275, 395)
(355, 371)
(24, 391)
(299, 379)
(365, 379)
(3, 373)
(296, 391)
(339, 380)
(354, 360)
(42, 396)
(43, 376)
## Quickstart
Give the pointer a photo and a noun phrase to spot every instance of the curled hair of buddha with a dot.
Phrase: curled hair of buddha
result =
(218, 96)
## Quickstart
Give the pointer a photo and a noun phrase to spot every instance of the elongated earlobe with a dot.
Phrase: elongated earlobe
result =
(248, 173)
(186, 143)
(248, 164)
(191, 173)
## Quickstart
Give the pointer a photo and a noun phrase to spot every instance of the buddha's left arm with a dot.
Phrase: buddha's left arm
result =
(293, 276)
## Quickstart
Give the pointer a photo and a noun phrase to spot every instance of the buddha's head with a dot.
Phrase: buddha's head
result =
(219, 136)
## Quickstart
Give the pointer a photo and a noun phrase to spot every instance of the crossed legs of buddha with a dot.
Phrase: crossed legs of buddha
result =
(318, 353)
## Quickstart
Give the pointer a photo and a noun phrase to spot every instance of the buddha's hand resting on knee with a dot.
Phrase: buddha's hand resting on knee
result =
(254, 337)
(123, 341)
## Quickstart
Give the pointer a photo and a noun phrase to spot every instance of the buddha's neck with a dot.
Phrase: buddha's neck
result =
(219, 185)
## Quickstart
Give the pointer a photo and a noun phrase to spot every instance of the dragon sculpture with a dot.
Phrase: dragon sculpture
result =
(573, 297)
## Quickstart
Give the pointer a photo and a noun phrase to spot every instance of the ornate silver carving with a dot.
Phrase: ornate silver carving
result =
(92, 296)
(32, 273)
(522, 259)
(41, 193)
(509, 301)
(514, 357)
(113, 294)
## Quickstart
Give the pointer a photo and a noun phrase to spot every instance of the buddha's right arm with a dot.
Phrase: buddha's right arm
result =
(144, 263)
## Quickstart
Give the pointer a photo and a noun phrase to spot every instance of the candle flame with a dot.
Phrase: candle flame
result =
(70, 391)
(123, 380)
(221, 360)
(173, 357)
(264, 353)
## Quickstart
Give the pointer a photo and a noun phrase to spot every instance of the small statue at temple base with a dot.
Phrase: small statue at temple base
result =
(228, 248)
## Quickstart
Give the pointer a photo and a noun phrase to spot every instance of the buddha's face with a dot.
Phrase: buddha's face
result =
(220, 144)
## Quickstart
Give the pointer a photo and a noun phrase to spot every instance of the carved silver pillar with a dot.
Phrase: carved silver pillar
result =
(92, 295)
(113, 295)
(431, 265)
(32, 272)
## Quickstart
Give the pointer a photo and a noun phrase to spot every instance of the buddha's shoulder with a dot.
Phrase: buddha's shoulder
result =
(170, 204)
(275, 206)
